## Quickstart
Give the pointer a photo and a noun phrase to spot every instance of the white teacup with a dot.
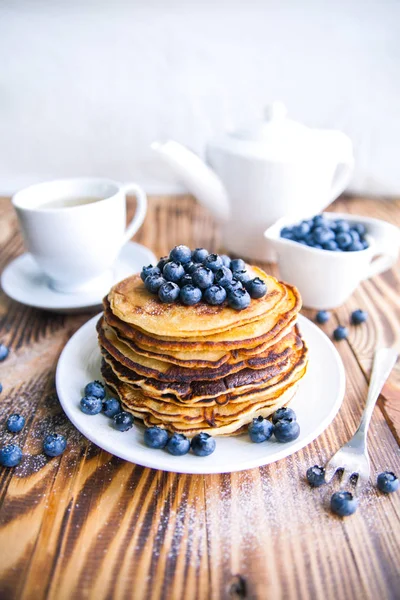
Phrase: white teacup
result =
(326, 279)
(75, 228)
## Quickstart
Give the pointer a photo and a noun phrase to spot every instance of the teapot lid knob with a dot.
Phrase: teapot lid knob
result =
(275, 112)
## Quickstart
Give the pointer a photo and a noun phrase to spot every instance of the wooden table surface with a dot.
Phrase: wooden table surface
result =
(89, 525)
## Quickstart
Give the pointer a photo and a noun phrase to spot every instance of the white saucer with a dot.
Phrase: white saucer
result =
(23, 281)
(316, 403)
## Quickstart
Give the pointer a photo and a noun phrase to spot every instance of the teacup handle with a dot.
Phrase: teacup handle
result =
(381, 264)
(141, 209)
(386, 251)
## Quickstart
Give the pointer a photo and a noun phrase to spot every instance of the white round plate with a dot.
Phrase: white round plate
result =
(22, 280)
(316, 403)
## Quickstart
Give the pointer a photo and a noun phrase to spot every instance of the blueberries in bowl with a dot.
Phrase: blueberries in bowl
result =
(334, 235)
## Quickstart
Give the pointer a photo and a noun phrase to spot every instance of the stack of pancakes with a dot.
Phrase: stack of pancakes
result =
(201, 368)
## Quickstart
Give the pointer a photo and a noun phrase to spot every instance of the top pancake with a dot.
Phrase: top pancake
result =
(132, 303)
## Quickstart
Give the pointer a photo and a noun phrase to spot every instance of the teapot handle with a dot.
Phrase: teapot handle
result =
(345, 163)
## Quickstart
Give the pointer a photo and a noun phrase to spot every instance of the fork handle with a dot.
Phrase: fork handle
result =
(384, 361)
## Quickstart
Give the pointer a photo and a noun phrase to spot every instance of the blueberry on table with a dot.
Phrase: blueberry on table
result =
(322, 316)
(358, 316)
(169, 292)
(283, 413)
(286, 430)
(181, 254)
(111, 407)
(226, 260)
(185, 280)
(340, 333)
(199, 255)
(15, 423)
(213, 262)
(256, 287)
(190, 295)
(238, 264)
(343, 504)
(215, 295)
(4, 352)
(54, 444)
(260, 430)
(162, 262)
(152, 283)
(223, 276)
(178, 444)
(123, 421)
(316, 476)
(203, 444)
(155, 437)
(149, 270)
(203, 277)
(344, 240)
(95, 388)
(173, 271)
(10, 455)
(387, 482)
(91, 405)
(243, 276)
(239, 299)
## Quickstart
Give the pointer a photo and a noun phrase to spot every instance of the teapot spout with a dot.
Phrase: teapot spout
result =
(200, 180)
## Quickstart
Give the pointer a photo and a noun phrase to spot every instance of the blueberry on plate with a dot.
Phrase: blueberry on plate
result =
(243, 276)
(213, 262)
(96, 389)
(155, 437)
(260, 430)
(181, 254)
(123, 421)
(162, 262)
(190, 295)
(239, 299)
(91, 405)
(169, 292)
(4, 351)
(316, 476)
(152, 283)
(343, 504)
(178, 444)
(286, 430)
(387, 482)
(54, 444)
(203, 277)
(199, 255)
(358, 316)
(215, 295)
(203, 444)
(111, 407)
(149, 270)
(238, 264)
(340, 333)
(300, 231)
(10, 455)
(15, 423)
(283, 413)
(223, 276)
(186, 280)
(322, 235)
(322, 316)
(226, 260)
(344, 240)
(173, 271)
(256, 287)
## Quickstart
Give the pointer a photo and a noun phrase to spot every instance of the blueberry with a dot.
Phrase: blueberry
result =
(322, 316)
(223, 276)
(168, 292)
(203, 277)
(173, 271)
(54, 444)
(364, 244)
(226, 260)
(149, 270)
(178, 444)
(387, 482)
(202, 444)
(318, 246)
(213, 262)
(162, 262)
(123, 421)
(355, 247)
(155, 437)
(358, 316)
(153, 283)
(316, 476)
(286, 430)
(234, 285)
(96, 389)
(300, 231)
(239, 299)
(15, 423)
(341, 226)
(186, 280)
(331, 245)
(283, 413)
(360, 228)
(191, 267)
(320, 221)
(322, 235)
(238, 264)
(256, 287)
(309, 240)
(260, 430)
(190, 295)
(243, 276)
(181, 254)
(340, 333)
(4, 351)
(287, 234)
(215, 294)
(343, 504)
(111, 407)
(355, 236)
(90, 405)
(343, 240)
(10, 455)
(199, 255)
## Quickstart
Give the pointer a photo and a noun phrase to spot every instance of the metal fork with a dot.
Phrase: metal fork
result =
(353, 458)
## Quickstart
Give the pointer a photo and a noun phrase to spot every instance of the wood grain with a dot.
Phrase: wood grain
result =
(88, 525)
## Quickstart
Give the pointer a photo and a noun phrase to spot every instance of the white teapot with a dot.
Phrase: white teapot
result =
(271, 169)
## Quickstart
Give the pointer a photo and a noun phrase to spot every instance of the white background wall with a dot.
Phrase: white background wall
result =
(86, 86)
